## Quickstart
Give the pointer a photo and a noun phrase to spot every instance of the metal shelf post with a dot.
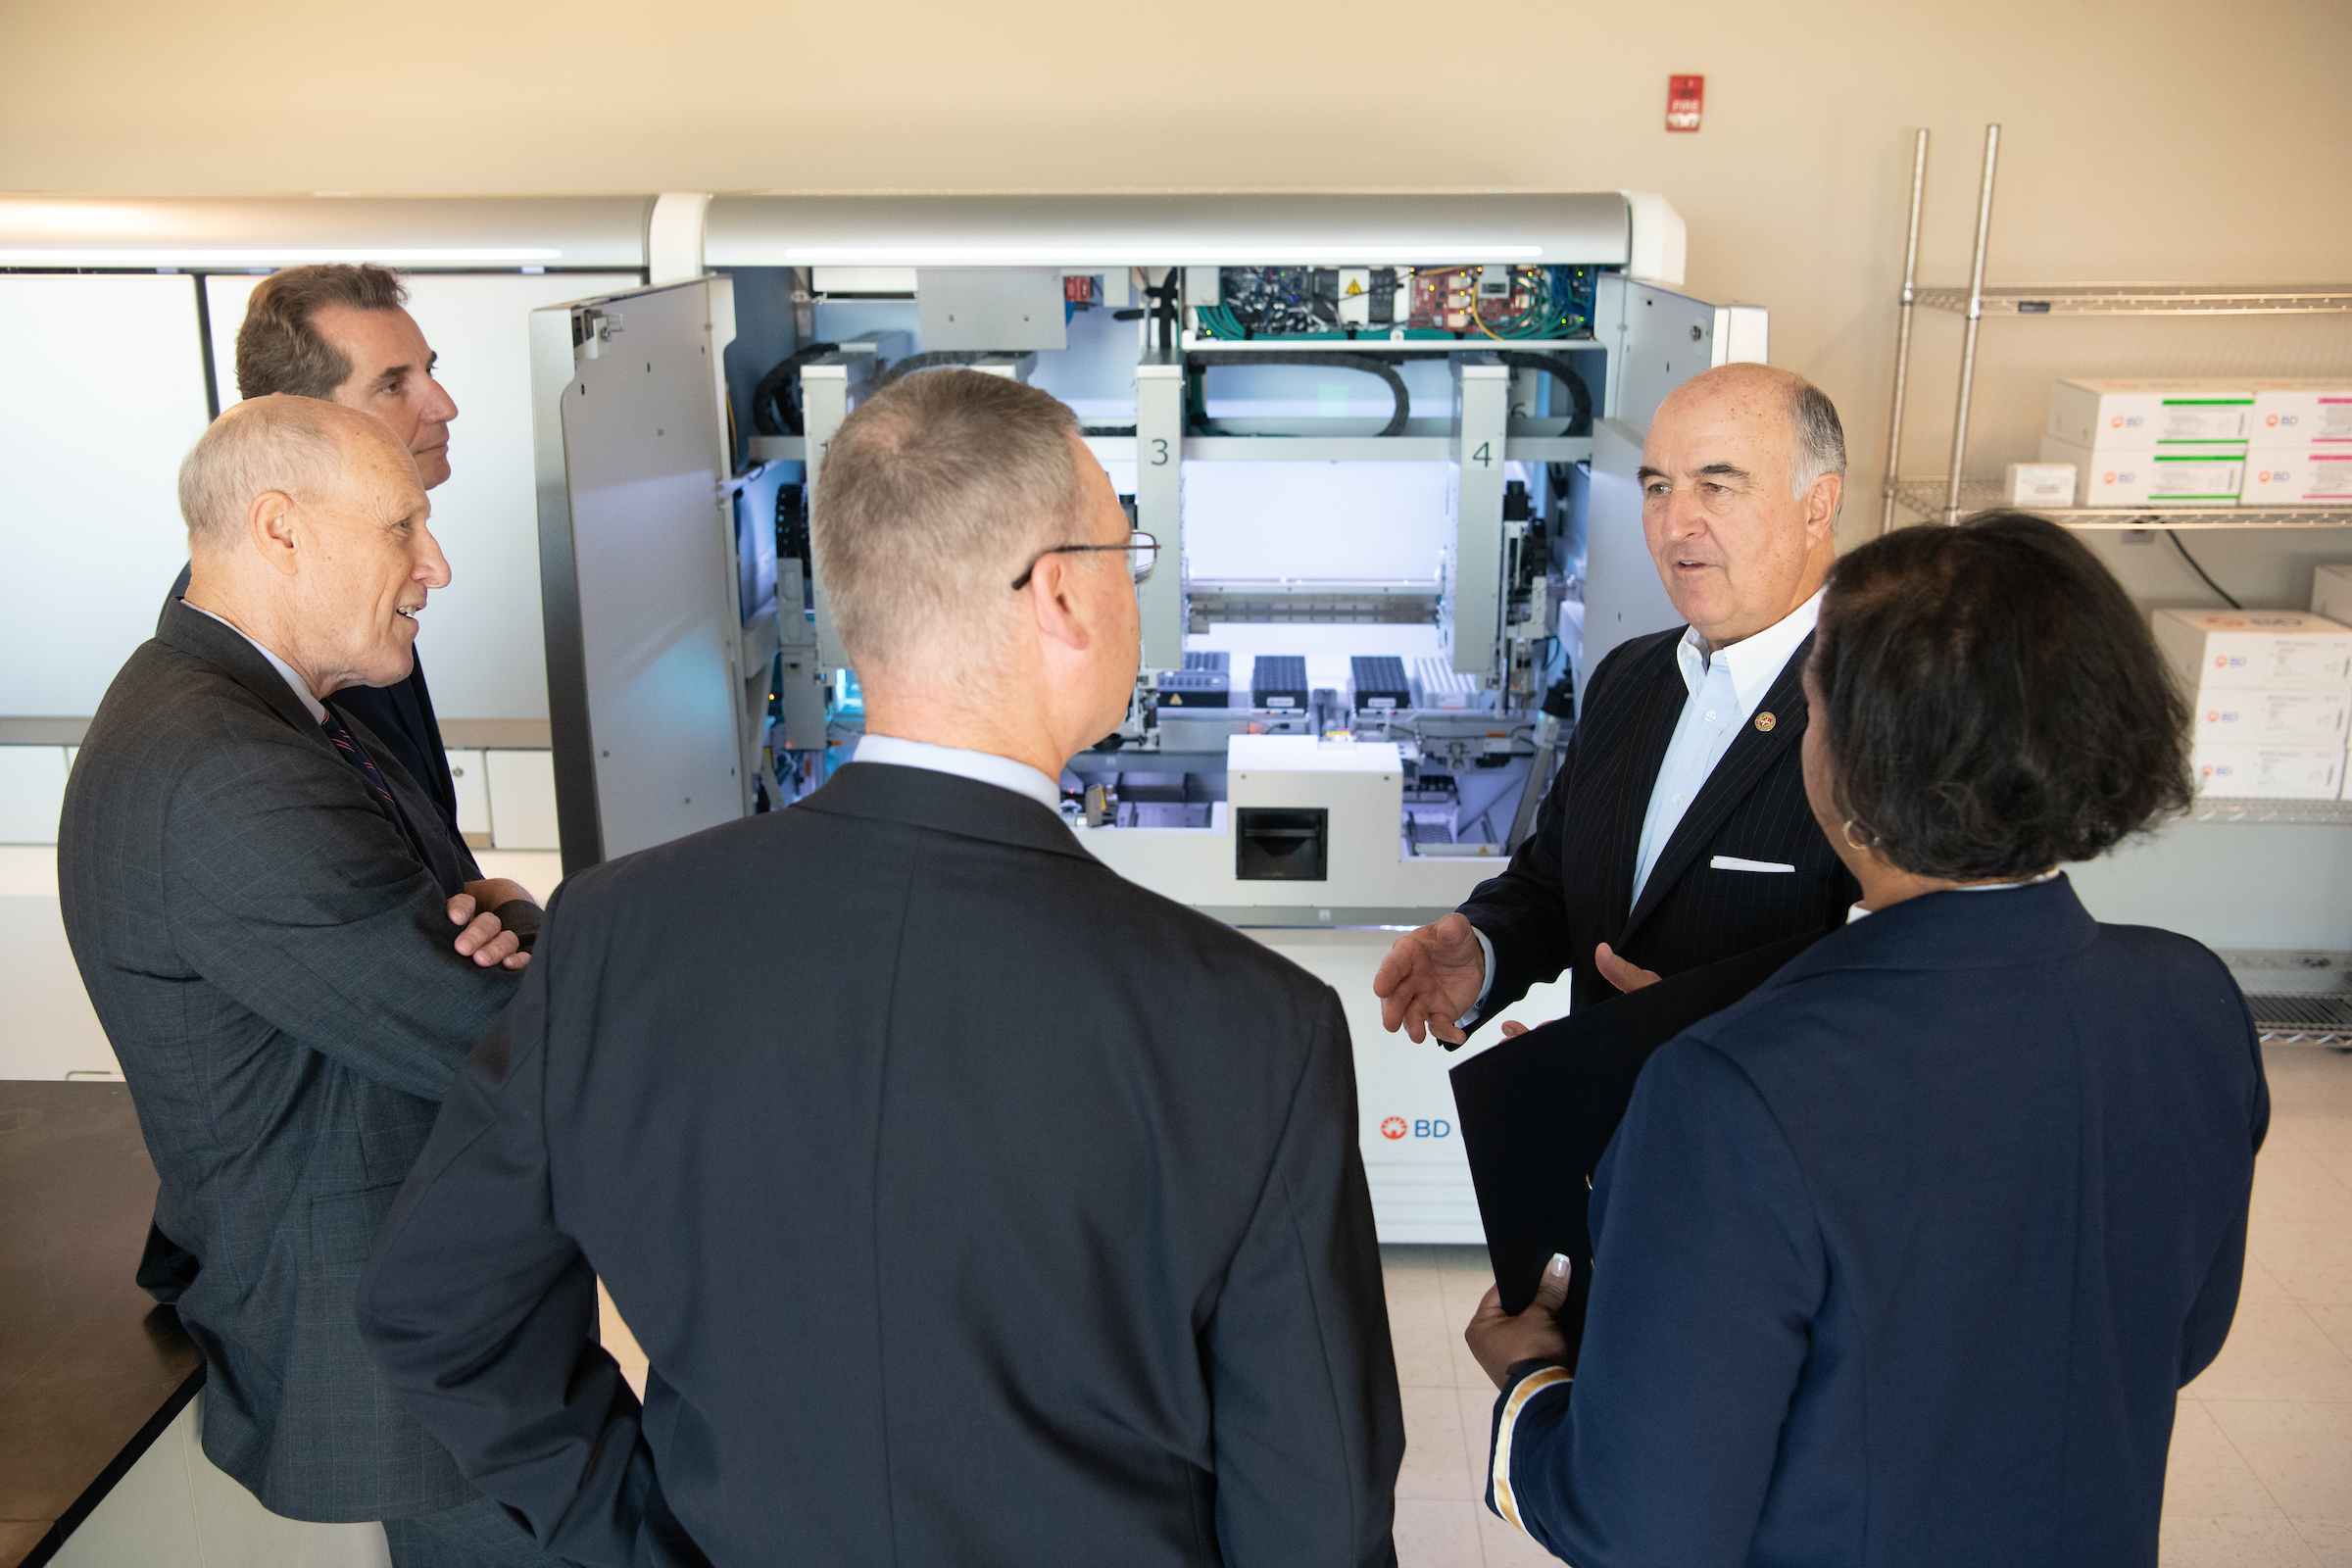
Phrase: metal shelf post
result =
(1902, 336)
(1976, 314)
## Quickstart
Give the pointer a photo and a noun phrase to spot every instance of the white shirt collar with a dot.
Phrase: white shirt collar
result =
(315, 708)
(1756, 661)
(1857, 912)
(986, 766)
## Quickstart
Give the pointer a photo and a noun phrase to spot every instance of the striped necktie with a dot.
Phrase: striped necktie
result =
(355, 754)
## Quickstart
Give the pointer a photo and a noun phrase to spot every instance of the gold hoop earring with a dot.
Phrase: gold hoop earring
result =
(1856, 843)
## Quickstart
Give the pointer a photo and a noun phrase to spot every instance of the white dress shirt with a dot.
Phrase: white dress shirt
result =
(315, 708)
(1725, 690)
(1857, 912)
(986, 766)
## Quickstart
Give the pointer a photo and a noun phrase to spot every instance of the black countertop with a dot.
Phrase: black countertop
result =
(91, 1369)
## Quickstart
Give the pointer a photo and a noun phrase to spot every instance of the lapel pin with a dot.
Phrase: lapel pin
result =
(1765, 721)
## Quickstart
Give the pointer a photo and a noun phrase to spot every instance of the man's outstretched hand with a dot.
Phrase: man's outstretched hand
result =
(1430, 978)
(1501, 1342)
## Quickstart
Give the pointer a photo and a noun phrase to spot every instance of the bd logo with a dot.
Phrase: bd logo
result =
(1396, 1127)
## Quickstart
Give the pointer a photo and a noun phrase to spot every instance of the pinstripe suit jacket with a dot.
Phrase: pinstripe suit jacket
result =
(1570, 887)
(267, 946)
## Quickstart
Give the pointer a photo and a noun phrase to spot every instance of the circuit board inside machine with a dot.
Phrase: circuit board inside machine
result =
(1547, 303)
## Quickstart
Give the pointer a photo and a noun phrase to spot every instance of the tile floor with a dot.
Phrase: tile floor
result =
(2262, 1447)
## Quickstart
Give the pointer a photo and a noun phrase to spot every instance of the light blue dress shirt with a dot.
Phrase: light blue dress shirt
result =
(1725, 690)
(986, 766)
(1725, 687)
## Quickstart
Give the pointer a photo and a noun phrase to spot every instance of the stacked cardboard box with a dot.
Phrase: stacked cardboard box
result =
(2151, 443)
(2301, 453)
(2273, 691)
(2251, 440)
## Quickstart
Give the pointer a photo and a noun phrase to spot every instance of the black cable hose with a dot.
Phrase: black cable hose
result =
(1580, 422)
(2200, 571)
(1339, 361)
(773, 412)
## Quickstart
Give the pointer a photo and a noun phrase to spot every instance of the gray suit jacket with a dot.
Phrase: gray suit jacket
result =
(267, 947)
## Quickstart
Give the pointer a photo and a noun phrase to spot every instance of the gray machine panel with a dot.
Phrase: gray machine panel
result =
(1662, 338)
(996, 309)
(645, 636)
(1623, 596)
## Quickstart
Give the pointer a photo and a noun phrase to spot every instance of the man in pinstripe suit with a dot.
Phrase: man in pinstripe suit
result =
(1676, 832)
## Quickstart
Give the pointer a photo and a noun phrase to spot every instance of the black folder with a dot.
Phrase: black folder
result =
(1538, 1111)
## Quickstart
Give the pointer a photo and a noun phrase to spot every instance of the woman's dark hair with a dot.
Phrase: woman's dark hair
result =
(1993, 702)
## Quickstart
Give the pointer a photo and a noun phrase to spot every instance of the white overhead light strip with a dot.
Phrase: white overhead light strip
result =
(1179, 255)
(77, 256)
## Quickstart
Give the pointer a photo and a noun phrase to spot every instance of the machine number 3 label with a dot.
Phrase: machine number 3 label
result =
(1160, 452)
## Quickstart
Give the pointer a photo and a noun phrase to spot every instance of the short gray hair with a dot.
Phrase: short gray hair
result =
(1819, 444)
(933, 494)
(296, 445)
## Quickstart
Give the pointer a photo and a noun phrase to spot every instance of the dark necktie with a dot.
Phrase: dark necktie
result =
(356, 755)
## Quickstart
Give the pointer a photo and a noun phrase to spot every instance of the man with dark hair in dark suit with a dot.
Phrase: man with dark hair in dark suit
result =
(261, 898)
(972, 1204)
(341, 333)
(1676, 831)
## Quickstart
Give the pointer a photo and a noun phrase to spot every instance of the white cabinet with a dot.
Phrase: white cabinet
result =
(470, 777)
(522, 800)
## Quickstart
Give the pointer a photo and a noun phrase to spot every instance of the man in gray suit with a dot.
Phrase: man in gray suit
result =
(287, 957)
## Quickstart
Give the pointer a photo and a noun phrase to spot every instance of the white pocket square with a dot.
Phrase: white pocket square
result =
(1732, 862)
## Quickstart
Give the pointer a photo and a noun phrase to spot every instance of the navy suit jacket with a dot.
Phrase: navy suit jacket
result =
(998, 1212)
(1570, 887)
(1902, 1259)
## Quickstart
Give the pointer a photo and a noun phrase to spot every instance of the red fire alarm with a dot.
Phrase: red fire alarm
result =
(1685, 96)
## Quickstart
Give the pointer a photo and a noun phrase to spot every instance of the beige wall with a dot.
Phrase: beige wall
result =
(2144, 139)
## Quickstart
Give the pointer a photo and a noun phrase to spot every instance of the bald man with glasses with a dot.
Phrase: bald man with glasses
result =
(972, 1204)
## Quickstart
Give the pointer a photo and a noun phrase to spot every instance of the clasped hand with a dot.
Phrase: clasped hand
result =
(1500, 1340)
(484, 939)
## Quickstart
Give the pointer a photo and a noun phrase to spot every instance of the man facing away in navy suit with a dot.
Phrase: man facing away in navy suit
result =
(1676, 831)
(972, 1205)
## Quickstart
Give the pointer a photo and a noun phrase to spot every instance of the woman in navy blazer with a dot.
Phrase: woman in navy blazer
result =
(1903, 1258)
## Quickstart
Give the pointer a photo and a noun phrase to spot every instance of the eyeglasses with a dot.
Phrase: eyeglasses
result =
(1142, 553)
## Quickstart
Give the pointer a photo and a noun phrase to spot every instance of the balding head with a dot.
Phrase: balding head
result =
(307, 530)
(978, 565)
(1741, 477)
(291, 444)
(1816, 435)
